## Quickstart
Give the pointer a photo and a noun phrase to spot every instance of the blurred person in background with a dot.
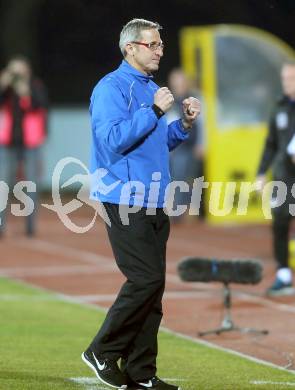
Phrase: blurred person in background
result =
(280, 133)
(186, 161)
(131, 143)
(23, 118)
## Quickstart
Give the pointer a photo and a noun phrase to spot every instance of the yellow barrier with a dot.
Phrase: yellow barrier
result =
(234, 146)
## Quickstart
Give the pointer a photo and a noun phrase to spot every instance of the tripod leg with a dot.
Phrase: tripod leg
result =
(227, 324)
(216, 331)
(220, 330)
(252, 330)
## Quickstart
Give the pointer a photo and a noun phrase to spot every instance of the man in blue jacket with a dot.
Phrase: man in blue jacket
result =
(131, 144)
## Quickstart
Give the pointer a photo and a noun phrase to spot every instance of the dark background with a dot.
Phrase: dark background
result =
(72, 43)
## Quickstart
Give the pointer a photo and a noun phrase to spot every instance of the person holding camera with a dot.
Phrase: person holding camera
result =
(23, 118)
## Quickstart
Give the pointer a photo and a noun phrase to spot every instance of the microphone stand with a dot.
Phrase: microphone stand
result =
(227, 324)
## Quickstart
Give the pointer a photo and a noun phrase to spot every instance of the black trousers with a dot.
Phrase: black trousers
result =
(131, 326)
(281, 222)
(281, 227)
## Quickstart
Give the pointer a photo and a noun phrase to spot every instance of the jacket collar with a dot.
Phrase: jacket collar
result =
(127, 68)
(286, 100)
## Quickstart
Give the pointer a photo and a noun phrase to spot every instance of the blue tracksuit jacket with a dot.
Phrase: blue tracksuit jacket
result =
(130, 145)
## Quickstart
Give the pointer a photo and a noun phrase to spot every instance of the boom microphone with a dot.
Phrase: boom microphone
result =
(194, 269)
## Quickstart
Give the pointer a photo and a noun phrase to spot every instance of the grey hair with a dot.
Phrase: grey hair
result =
(131, 31)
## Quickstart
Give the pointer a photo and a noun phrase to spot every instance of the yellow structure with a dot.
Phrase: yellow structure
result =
(292, 253)
(238, 71)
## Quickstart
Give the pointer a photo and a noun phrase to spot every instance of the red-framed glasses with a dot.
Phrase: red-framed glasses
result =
(153, 46)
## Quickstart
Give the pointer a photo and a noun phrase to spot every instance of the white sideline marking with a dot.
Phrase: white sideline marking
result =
(71, 299)
(292, 384)
(87, 269)
(90, 257)
(27, 298)
(228, 350)
(93, 297)
(89, 383)
(93, 383)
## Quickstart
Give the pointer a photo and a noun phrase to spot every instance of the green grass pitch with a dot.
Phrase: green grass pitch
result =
(42, 337)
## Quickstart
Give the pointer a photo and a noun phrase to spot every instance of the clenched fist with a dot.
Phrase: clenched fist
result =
(191, 109)
(163, 99)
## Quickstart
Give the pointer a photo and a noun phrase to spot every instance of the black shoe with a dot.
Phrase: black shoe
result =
(278, 288)
(106, 370)
(153, 384)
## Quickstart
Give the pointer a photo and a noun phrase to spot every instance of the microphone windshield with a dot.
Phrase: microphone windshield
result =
(194, 269)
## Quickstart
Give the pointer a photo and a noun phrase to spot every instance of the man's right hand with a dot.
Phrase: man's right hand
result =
(260, 182)
(163, 99)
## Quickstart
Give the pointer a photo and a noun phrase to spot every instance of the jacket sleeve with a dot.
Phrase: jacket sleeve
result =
(176, 134)
(112, 123)
(270, 148)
